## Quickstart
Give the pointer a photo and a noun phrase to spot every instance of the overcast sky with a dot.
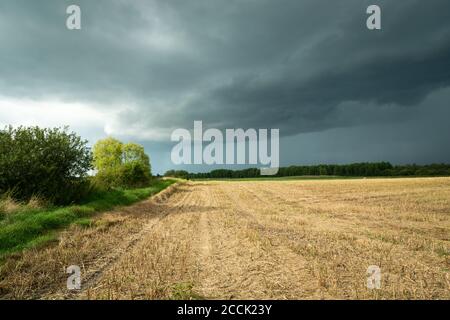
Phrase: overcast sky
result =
(137, 70)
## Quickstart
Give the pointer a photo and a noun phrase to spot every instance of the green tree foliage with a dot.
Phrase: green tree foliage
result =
(135, 154)
(136, 167)
(49, 163)
(107, 154)
(121, 165)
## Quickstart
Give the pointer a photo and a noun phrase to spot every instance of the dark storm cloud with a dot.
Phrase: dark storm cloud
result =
(301, 66)
(397, 67)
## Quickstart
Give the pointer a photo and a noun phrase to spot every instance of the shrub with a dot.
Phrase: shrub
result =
(134, 174)
(48, 163)
(108, 178)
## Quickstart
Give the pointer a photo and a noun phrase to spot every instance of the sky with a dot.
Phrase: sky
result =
(137, 70)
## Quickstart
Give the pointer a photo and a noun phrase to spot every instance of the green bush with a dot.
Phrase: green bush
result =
(120, 165)
(108, 179)
(134, 174)
(49, 163)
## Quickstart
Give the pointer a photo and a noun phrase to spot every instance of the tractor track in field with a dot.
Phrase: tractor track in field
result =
(103, 264)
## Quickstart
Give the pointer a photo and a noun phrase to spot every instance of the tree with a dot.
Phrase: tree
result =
(107, 154)
(121, 165)
(136, 167)
(135, 153)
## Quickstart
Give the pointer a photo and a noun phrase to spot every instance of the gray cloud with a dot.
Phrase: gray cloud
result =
(301, 66)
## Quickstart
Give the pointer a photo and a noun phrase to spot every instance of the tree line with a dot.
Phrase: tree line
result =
(364, 169)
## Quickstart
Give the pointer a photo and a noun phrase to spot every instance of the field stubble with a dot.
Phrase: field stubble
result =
(255, 240)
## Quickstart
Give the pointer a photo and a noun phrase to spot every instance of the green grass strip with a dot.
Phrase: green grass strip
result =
(31, 227)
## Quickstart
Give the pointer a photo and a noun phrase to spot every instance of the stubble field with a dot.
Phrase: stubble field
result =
(254, 240)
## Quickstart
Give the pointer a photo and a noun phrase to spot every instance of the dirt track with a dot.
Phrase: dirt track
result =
(277, 239)
(211, 249)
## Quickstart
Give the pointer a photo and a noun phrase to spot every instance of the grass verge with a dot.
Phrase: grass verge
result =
(31, 227)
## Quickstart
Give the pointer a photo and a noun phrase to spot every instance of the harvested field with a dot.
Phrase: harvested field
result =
(254, 240)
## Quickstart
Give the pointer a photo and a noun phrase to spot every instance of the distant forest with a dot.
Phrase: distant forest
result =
(366, 169)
